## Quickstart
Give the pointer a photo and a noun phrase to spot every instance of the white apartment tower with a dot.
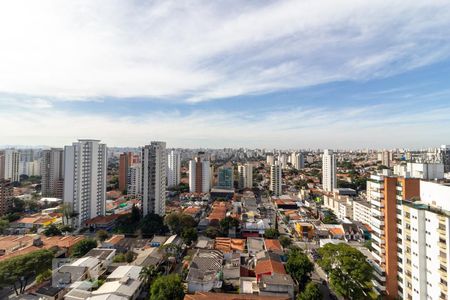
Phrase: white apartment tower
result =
(85, 179)
(134, 180)
(275, 179)
(154, 178)
(52, 172)
(173, 168)
(12, 164)
(329, 171)
(298, 160)
(270, 159)
(199, 174)
(424, 244)
(245, 176)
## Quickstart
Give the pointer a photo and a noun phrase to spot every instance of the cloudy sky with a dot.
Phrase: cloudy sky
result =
(285, 74)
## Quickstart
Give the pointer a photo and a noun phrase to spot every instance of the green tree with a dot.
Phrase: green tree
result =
(46, 275)
(129, 257)
(66, 228)
(102, 235)
(135, 214)
(299, 266)
(349, 272)
(148, 274)
(311, 292)
(285, 241)
(4, 224)
(189, 235)
(211, 232)
(177, 222)
(82, 247)
(271, 233)
(153, 224)
(167, 287)
(226, 224)
(52, 230)
(119, 258)
(18, 270)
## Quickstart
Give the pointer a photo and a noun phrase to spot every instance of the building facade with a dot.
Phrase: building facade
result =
(154, 178)
(125, 160)
(85, 179)
(423, 248)
(52, 172)
(6, 195)
(199, 174)
(276, 179)
(383, 192)
(134, 183)
(225, 178)
(12, 165)
(329, 182)
(173, 168)
(245, 176)
(298, 160)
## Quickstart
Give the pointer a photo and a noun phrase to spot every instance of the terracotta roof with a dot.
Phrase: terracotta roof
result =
(223, 296)
(115, 239)
(336, 231)
(273, 245)
(102, 219)
(269, 266)
(18, 245)
(228, 245)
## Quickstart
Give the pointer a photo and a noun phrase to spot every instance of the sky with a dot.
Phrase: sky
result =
(260, 74)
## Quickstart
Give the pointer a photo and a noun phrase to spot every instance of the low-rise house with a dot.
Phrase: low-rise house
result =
(113, 241)
(304, 230)
(255, 245)
(106, 256)
(223, 296)
(204, 271)
(50, 292)
(232, 268)
(149, 257)
(268, 264)
(204, 243)
(227, 245)
(158, 241)
(277, 284)
(102, 222)
(273, 245)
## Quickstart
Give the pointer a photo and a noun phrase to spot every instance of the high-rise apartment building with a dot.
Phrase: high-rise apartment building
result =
(125, 160)
(199, 174)
(2, 164)
(134, 186)
(52, 172)
(298, 160)
(154, 178)
(283, 160)
(276, 179)
(386, 158)
(329, 182)
(12, 164)
(85, 179)
(423, 248)
(245, 176)
(6, 195)
(225, 178)
(173, 168)
(270, 159)
(383, 193)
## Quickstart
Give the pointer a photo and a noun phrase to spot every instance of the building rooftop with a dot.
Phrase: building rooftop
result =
(223, 296)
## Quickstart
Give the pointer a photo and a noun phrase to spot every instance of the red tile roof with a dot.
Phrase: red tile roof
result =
(269, 266)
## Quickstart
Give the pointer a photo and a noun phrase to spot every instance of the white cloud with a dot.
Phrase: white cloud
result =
(202, 50)
(371, 126)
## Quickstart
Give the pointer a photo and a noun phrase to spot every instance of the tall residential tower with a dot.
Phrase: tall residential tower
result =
(154, 178)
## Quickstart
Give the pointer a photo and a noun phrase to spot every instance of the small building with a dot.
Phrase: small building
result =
(277, 285)
(158, 240)
(304, 230)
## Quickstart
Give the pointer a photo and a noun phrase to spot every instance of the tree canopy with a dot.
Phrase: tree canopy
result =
(311, 292)
(271, 233)
(153, 224)
(177, 222)
(349, 272)
(167, 287)
(285, 241)
(227, 223)
(102, 235)
(82, 247)
(189, 235)
(16, 271)
(299, 266)
(52, 230)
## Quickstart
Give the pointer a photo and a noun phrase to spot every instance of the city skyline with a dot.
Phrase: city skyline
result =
(292, 74)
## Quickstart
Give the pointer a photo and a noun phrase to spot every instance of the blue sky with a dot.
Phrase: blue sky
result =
(284, 74)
